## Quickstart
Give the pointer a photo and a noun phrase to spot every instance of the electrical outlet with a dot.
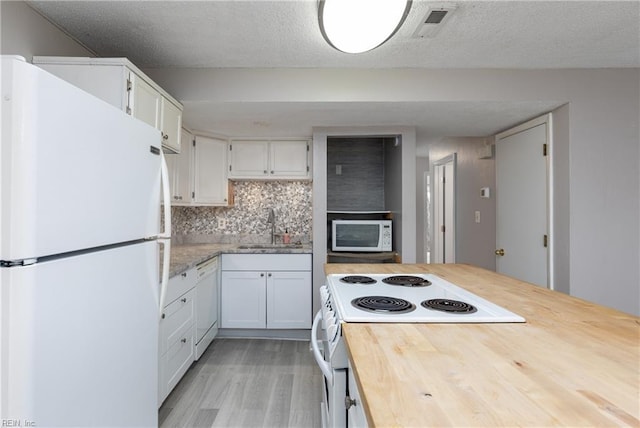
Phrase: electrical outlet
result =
(477, 216)
(222, 223)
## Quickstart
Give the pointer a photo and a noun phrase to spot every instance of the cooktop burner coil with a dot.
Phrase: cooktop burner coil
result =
(407, 281)
(448, 305)
(384, 304)
(358, 279)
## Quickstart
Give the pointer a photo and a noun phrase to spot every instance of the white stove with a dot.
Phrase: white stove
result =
(382, 298)
(423, 298)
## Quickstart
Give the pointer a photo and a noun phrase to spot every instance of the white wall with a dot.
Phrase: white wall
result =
(475, 242)
(26, 33)
(599, 162)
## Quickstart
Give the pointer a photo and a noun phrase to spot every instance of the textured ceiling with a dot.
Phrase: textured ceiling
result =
(266, 34)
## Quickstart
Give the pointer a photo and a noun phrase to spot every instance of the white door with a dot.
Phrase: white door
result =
(522, 230)
(171, 123)
(248, 159)
(81, 347)
(98, 181)
(243, 299)
(289, 300)
(146, 101)
(444, 210)
(210, 184)
(289, 158)
(180, 171)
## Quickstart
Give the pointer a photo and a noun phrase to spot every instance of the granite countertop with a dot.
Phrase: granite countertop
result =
(186, 256)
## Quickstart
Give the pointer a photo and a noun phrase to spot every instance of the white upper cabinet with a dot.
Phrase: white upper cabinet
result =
(248, 159)
(120, 83)
(144, 101)
(289, 159)
(181, 171)
(210, 175)
(198, 174)
(170, 124)
(270, 159)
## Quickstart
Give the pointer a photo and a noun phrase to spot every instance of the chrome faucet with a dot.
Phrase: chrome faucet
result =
(272, 219)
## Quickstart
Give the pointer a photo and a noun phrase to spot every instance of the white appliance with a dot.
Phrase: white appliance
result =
(206, 304)
(373, 298)
(361, 235)
(80, 293)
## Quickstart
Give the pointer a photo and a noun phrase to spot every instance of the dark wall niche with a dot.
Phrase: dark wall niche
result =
(355, 174)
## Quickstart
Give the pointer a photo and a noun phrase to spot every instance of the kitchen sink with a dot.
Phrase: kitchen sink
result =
(268, 246)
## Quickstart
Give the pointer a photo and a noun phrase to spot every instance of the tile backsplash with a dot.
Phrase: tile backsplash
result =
(246, 221)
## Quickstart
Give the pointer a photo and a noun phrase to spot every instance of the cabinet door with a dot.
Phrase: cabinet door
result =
(289, 300)
(180, 172)
(170, 125)
(356, 416)
(243, 300)
(210, 160)
(248, 159)
(289, 159)
(145, 101)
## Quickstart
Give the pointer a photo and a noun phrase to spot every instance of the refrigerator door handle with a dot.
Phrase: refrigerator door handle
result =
(165, 237)
(166, 258)
(166, 198)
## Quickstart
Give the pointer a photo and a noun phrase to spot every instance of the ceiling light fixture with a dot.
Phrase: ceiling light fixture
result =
(355, 26)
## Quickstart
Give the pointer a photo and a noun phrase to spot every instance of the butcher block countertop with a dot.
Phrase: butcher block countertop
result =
(573, 363)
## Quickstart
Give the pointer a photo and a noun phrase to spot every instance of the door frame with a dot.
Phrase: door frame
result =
(546, 119)
(438, 202)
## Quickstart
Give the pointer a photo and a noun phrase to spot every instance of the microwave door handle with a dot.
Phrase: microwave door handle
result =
(324, 366)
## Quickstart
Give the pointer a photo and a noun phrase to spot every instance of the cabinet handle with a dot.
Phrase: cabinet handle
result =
(165, 137)
(264, 171)
(184, 274)
(262, 275)
(271, 172)
(183, 300)
(269, 275)
(348, 402)
(163, 315)
(184, 340)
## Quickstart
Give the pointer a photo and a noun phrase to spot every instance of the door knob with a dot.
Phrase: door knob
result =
(500, 252)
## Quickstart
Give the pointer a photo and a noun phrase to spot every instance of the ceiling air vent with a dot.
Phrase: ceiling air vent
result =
(434, 20)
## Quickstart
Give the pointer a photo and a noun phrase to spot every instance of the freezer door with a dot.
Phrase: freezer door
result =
(75, 171)
(80, 340)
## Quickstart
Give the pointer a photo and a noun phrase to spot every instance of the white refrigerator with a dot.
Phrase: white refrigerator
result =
(80, 281)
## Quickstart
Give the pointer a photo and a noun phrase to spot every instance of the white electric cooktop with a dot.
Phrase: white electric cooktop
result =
(401, 298)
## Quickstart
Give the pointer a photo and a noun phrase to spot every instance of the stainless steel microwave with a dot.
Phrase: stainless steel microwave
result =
(361, 235)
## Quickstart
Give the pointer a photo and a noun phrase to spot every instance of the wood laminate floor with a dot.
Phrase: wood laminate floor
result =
(248, 383)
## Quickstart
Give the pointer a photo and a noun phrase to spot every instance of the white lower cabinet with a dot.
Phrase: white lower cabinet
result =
(266, 291)
(356, 416)
(177, 332)
(243, 299)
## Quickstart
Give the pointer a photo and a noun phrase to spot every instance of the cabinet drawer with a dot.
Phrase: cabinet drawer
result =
(266, 262)
(177, 317)
(180, 284)
(178, 358)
